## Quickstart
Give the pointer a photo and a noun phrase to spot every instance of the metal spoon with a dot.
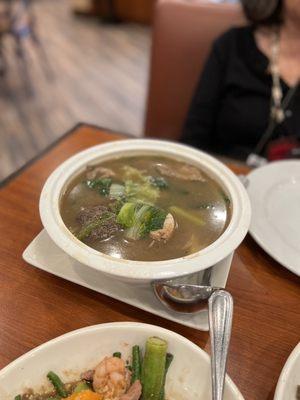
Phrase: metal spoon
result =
(178, 297)
(220, 311)
(182, 296)
(189, 293)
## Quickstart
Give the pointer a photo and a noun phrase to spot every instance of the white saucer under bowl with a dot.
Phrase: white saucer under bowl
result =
(44, 254)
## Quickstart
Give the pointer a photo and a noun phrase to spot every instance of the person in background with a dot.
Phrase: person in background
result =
(248, 98)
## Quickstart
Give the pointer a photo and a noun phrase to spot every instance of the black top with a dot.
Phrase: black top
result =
(231, 106)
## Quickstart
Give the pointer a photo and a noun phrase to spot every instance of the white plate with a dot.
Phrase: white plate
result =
(68, 355)
(44, 254)
(290, 377)
(274, 192)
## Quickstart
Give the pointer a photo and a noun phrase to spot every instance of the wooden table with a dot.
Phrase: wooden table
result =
(36, 306)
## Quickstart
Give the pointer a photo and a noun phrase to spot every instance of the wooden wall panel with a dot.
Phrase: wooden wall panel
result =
(135, 10)
(124, 10)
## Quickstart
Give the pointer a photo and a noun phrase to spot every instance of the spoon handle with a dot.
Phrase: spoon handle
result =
(220, 310)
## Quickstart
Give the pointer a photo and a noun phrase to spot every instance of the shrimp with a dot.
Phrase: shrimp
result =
(111, 378)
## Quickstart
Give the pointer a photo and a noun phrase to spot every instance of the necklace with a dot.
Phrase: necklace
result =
(277, 112)
(278, 104)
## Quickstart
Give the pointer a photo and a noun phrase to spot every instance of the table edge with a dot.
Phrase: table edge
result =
(53, 144)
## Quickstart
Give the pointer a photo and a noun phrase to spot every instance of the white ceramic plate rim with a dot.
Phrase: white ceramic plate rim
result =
(138, 270)
(285, 373)
(263, 240)
(135, 326)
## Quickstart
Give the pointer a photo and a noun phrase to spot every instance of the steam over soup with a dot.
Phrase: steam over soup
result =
(145, 208)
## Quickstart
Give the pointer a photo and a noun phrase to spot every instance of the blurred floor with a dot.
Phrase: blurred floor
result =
(100, 77)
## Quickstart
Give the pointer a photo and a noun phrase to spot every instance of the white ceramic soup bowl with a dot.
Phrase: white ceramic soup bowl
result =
(69, 355)
(144, 271)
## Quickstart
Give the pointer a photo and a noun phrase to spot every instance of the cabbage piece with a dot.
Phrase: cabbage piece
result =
(133, 174)
(181, 212)
(116, 191)
(140, 219)
(141, 191)
(142, 187)
(126, 215)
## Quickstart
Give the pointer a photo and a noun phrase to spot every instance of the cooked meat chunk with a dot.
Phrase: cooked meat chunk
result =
(98, 223)
(166, 231)
(185, 172)
(134, 392)
(88, 375)
(99, 172)
(107, 229)
(88, 214)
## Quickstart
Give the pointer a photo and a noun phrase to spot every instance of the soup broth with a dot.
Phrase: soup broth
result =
(145, 208)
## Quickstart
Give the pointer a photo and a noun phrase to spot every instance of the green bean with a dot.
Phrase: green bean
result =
(57, 384)
(117, 354)
(153, 369)
(169, 359)
(136, 364)
(18, 397)
(80, 387)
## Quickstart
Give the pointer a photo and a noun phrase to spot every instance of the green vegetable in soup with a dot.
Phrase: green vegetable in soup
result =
(126, 215)
(116, 191)
(141, 192)
(57, 384)
(138, 186)
(81, 386)
(141, 222)
(115, 206)
(136, 364)
(195, 219)
(117, 354)
(140, 219)
(158, 181)
(100, 185)
(133, 174)
(96, 223)
(18, 397)
(157, 219)
(153, 369)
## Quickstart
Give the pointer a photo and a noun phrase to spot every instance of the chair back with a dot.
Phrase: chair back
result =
(183, 33)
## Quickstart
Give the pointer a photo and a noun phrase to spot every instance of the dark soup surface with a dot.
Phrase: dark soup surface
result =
(145, 208)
